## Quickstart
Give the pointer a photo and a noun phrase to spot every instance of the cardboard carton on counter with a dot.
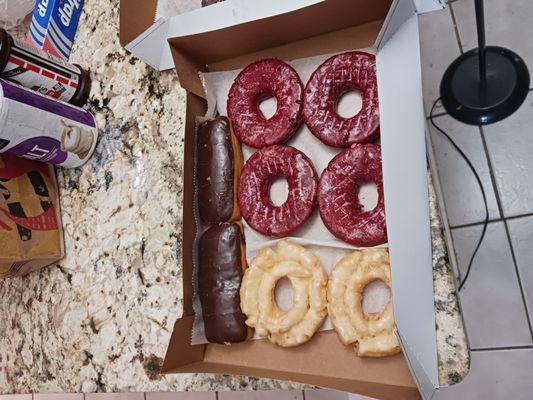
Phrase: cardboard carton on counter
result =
(231, 35)
(31, 235)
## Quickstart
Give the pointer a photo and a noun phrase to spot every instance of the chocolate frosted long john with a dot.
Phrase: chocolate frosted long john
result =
(219, 280)
(219, 162)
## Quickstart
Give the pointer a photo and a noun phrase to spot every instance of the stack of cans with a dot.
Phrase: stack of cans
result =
(36, 82)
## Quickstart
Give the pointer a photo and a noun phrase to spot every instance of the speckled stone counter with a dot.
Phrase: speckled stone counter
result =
(101, 319)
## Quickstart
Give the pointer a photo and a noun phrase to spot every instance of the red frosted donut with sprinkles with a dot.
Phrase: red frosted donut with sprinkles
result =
(255, 83)
(338, 200)
(354, 70)
(254, 190)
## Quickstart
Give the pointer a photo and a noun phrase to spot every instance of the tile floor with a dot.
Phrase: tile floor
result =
(497, 300)
(261, 395)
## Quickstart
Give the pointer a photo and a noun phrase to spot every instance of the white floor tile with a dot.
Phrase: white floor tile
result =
(495, 375)
(61, 396)
(322, 394)
(492, 305)
(521, 231)
(510, 145)
(262, 395)
(181, 396)
(507, 24)
(15, 397)
(463, 199)
(114, 396)
(438, 47)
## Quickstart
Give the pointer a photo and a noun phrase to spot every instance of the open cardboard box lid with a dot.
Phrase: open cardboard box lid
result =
(146, 38)
(230, 35)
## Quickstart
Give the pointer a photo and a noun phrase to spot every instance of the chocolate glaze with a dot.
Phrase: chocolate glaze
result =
(219, 280)
(215, 171)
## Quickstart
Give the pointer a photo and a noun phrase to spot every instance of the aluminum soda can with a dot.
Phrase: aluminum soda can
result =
(35, 69)
(54, 25)
(40, 128)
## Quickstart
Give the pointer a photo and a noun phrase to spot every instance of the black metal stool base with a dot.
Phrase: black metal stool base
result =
(468, 100)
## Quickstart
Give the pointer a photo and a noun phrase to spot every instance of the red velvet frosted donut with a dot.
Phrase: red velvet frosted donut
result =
(257, 82)
(339, 74)
(254, 190)
(338, 200)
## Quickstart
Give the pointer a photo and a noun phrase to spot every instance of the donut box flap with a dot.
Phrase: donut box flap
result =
(147, 39)
(326, 27)
(145, 35)
(403, 147)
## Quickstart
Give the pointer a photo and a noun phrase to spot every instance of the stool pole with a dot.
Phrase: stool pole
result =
(480, 23)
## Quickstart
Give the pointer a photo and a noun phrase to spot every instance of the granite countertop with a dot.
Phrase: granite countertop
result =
(101, 319)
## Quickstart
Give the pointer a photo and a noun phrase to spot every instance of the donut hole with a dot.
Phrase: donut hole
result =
(268, 105)
(376, 295)
(367, 195)
(349, 103)
(283, 293)
(279, 191)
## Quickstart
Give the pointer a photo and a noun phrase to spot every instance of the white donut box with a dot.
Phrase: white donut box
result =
(232, 34)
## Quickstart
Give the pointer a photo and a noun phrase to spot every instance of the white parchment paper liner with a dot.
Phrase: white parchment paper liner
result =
(313, 235)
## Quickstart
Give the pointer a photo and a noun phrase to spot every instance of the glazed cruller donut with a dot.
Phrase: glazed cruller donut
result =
(297, 325)
(373, 335)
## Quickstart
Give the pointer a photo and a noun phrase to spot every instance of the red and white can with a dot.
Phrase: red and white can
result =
(37, 70)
